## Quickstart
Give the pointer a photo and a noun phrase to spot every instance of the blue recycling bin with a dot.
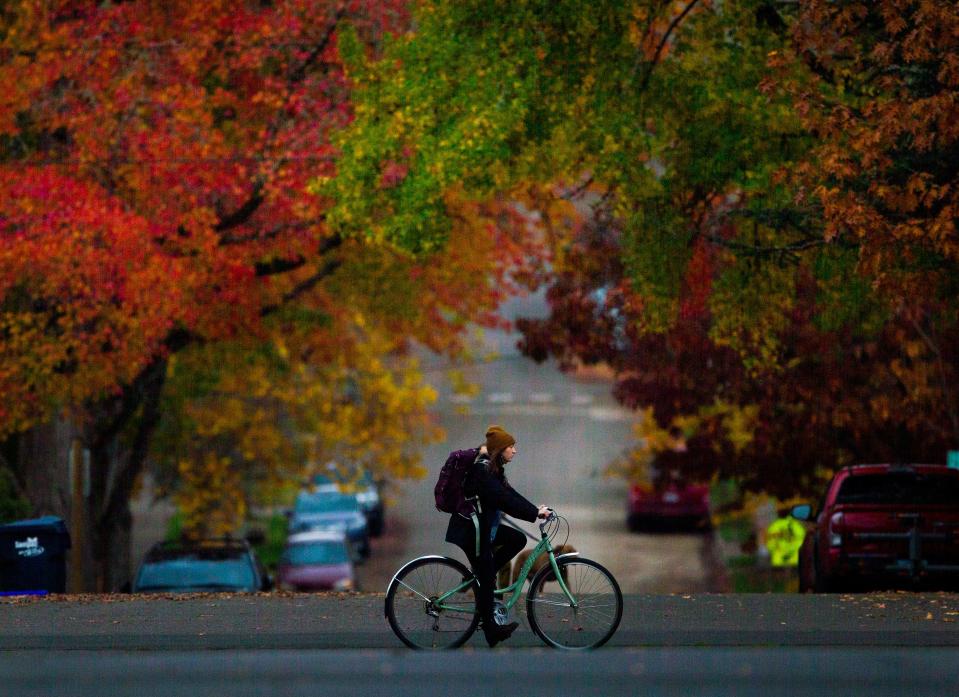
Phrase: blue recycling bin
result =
(33, 556)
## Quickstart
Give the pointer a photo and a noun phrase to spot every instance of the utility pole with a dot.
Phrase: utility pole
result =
(79, 476)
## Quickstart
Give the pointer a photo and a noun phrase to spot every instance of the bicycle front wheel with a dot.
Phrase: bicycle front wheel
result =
(418, 612)
(591, 621)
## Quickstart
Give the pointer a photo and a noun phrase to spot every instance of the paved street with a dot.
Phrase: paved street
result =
(332, 621)
(656, 672)
(873, 645)
(567, 430)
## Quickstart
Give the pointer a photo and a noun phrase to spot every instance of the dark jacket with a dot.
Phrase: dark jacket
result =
(495, 494)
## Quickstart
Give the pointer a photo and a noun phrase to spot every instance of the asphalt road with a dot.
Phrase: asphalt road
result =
(671, 672)
(232, 646)
(332, 621)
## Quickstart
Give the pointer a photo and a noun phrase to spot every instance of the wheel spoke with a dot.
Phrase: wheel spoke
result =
(412, 590)
(413, 612)
(591, 621)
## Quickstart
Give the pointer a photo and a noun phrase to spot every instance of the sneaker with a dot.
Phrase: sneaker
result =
(496, 633)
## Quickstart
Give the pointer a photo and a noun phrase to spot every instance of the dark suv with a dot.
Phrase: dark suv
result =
(217, 565)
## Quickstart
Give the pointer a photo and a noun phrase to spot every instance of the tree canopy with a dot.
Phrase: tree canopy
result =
(766, 250)
(166, 265)
(746, 208)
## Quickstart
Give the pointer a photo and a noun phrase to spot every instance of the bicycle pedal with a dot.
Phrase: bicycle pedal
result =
(500, 613)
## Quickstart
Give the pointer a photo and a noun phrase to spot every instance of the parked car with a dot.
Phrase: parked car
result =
(332, 510)
(198, 566)
(363, 486)
(882, 524)
(671, 502)
(316, 561)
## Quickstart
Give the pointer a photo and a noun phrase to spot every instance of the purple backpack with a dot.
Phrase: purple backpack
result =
(448, 491)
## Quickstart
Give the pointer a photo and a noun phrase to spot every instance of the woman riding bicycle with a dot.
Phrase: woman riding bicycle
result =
(498, 544)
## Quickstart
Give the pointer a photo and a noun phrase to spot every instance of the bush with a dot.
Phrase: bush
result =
(274, 539)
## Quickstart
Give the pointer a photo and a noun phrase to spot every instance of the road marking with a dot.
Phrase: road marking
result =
(582, 399)
(609, 414)
(552, 410)
(541, 397)
(461, 399)
(500, 398)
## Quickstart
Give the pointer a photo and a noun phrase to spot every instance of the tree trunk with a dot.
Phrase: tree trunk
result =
(114, 568)
(42, 465)
(86, 475)
(119, 463)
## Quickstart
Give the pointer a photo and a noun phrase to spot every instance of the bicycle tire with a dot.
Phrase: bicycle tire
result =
(595, 619)
(408, 605)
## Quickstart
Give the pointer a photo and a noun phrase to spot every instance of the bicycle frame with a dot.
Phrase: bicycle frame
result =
(516, 587)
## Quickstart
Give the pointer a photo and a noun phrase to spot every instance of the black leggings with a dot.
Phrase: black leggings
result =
(506, 545)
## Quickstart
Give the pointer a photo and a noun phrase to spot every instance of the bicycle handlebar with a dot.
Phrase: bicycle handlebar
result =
(548, 519)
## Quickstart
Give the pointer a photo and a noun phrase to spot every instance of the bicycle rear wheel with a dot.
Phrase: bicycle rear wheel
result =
(596, 615)
(414, 613)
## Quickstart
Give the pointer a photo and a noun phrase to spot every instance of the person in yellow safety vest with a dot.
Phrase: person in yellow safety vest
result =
(784, 537)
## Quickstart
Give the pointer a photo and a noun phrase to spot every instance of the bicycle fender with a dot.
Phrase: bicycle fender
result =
(568, 554)
(455, 562)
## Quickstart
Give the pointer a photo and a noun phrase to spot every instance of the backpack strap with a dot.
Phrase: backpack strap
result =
(476, 528)
(474, 501)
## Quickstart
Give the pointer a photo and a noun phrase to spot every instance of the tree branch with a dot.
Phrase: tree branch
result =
(278, 266)
(270, 233)
(310, 282)
(663, 41)
(947, 393)
(123, 482)
(244, 212)
(294, 77)
(131, 396)
(758, 250)
(303, 286)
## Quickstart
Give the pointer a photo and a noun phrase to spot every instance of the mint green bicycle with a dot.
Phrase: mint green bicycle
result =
(572, 602)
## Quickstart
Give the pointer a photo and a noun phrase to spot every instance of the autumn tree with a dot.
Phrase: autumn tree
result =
(818, 331)
(768, 189)
(154, 199)
(333, 381)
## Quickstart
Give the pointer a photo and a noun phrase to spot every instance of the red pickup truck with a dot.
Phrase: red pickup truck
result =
(879, 524)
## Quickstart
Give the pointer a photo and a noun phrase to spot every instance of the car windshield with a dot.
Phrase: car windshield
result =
(316, 553)
(901, 487)
(325, 503)
(195, 573)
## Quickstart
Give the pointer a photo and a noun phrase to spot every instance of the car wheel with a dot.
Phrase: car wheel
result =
(634, 523)
(823, 584)
(376, 524)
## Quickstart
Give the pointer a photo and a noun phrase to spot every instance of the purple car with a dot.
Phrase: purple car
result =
(319, 560)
